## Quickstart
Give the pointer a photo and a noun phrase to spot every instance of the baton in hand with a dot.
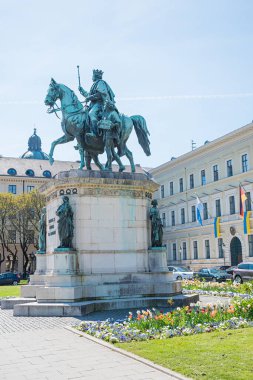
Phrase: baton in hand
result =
(78, 73)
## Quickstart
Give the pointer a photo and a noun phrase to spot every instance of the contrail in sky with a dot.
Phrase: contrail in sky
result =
(140, 98)
(189, 97)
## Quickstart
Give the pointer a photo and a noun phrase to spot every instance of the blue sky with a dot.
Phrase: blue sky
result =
(185, 65)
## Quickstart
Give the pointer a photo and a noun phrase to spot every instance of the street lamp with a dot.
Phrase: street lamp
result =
(223, 245)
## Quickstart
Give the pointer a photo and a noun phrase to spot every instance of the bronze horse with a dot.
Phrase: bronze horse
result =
(76, 125)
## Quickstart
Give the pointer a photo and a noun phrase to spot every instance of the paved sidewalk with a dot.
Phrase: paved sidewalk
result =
(41, 348)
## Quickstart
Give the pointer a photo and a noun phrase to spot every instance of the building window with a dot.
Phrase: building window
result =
(244, 163)
(12, 189)
(171, 188)
(47, 174)
(215, 173)
(173, 218)
(250, 238)
(181, 185)
(12, 171)
(174, 250)
(248, 201)
(232, 205)
(205, 211)
(12, 236)
(218, 209)
(193, 214)
(195, 250)
(220, 248)
(184, 251)
(182, 216)
(162, 191)
(30, 188)
(164, 219)
(191, 181)
(229, 168)
(203, 177)
(30, 173)
(207, 249)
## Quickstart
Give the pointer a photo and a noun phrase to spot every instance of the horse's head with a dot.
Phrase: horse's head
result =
(53, 93)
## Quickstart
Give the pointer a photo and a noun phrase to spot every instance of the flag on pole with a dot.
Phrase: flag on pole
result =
(246, 222)
(199, 210)
(242, 199)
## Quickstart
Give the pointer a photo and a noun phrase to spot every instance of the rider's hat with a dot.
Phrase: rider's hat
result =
(98, 73)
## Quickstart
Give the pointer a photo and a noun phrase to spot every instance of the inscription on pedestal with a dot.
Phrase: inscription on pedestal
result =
(51, 227)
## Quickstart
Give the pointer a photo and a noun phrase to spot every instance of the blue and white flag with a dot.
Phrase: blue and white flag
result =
(199, 210)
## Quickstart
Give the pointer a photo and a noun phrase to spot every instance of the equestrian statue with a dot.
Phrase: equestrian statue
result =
(97, 126)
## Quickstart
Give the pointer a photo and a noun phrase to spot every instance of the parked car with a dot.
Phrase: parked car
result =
(212, 274)
(230, 270)
(9, 278)
(243, 272)
(180, 273)
(224, 267)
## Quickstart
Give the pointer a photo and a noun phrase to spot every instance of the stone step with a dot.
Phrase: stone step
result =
(8, 303)
(75, 309)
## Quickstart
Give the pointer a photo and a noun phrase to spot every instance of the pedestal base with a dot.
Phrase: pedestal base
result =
(157, 259)
(72, 288)
(76, 309)
(112, 265)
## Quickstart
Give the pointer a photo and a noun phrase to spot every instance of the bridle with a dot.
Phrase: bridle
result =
(55, 110)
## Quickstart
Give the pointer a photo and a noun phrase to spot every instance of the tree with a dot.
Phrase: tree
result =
(24, 218)
(7, 239)
(34, 202)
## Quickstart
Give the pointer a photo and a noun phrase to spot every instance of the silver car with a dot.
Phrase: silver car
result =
(180, 273)
(243, 272)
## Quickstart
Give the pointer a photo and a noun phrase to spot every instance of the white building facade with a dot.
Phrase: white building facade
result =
(212, 173)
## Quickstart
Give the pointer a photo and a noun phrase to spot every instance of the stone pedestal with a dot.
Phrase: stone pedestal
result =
(157, 259)
(111, 260)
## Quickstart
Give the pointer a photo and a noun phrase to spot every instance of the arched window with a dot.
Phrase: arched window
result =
(12, 171)
(30, 172)
(47, 174)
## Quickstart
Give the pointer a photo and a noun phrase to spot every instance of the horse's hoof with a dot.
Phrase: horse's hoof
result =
(51, 160)
(122, 168)
(133, 170)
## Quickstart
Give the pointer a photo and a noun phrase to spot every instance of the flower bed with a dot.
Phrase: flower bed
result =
(187, 320)
(228, 288)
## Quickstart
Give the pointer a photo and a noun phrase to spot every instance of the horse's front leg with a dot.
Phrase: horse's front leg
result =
(62, 140)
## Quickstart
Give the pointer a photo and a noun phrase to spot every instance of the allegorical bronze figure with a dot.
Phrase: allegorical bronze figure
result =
(156, 225)
(65, 224)
(43, 230)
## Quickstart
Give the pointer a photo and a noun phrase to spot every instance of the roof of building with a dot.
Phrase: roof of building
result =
(208, 146)
(34, 148)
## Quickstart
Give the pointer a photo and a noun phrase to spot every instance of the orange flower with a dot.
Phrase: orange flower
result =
(231, 309)
(213, 313)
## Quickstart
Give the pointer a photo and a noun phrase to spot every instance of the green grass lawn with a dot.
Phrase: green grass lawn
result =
(11, 290)
(225, 355)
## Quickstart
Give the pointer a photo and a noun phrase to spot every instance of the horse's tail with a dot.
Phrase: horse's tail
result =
(142, 132)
